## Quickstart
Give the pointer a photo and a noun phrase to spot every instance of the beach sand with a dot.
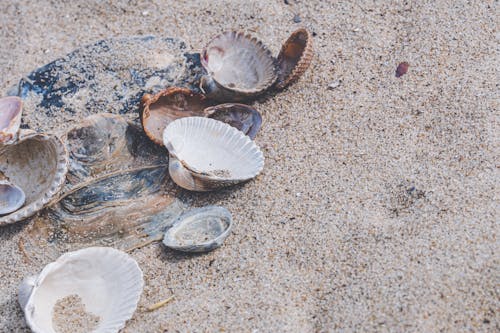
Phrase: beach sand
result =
(377, 209)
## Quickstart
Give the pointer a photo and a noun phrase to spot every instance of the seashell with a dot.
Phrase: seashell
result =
(104, 75)
(239, 67)
(10, 118)
(167, 106)
(294, 58)
(241, 116)
(117, 191)
(108, 282)
(199, 230)
(12, 198)
(37, 163)
(206, 154)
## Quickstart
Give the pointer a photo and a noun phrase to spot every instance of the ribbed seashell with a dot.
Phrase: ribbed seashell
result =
(239, 66)
(117, 193)
(108, 282)
(12, 197)
(37, 163)
(168, 105)
(240, 116)
(10, 118)
(199, 230)
(294, 58)
(207, 154)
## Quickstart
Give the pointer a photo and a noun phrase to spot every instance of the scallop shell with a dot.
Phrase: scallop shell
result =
(207, 154)
(294, 58)
(238, 65)
(10, 118)
(240, 116)
(37, 163)
(117, 191)
(12, 197)
(109, 283)
(168, 105)
(199, 230)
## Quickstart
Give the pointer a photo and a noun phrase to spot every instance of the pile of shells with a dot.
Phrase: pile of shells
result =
(103, 171)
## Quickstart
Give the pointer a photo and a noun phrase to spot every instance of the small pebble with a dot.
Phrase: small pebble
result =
(402, 69)
(334, 84)
(297, 18)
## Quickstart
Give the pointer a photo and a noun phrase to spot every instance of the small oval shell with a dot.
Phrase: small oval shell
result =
(239, 66)
(240, 116)
(294, 58)
(109, 283)
(10, 118)
(38, 164)
(12, 198)
(199, 230)
(206, 154)
(168, 105)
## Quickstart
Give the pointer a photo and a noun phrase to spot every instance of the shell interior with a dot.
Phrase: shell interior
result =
(10, 117)
(213, 148)
(294, 58)
(11, 198)
(117, 191)
(240, 116)
(167, 106)
(199, 229)
(239, 62)
(37, 163)
(109, 283)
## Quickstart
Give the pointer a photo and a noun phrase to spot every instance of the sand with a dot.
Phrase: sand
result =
(377, 208)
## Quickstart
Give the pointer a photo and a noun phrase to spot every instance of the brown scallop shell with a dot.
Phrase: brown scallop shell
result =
(294, 58)
(168, 105)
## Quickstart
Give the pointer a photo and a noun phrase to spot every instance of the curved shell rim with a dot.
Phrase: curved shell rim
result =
(148, 99)
(303, 62)
(170, 242)
(268, 84)
(59, 179)
(200, 173)
(68, 256)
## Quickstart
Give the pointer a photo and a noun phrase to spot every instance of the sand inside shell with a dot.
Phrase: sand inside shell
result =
(69, 316)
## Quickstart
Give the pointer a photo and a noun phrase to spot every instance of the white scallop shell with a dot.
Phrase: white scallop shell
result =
(206, 154)
(238, 65)
(108, 281)
(38, 164)
(199, 230)
(10, 118)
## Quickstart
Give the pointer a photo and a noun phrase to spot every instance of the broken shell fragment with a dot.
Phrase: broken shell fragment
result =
(199, 230)
(10, 118)
(240, 116)
(37, 163)
(238, 65)
(12, 198)
(207, 154)
(294, 58)
(108, 282)
(168, 105)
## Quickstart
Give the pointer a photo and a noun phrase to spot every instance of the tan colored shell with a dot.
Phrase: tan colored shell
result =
(239, 67)
(294, 58)
(10, 118)
(38, 164)
(168, 105)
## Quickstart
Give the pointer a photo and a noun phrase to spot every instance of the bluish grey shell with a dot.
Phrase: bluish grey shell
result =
(117, 192)
(109, 76)
(199, 230)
